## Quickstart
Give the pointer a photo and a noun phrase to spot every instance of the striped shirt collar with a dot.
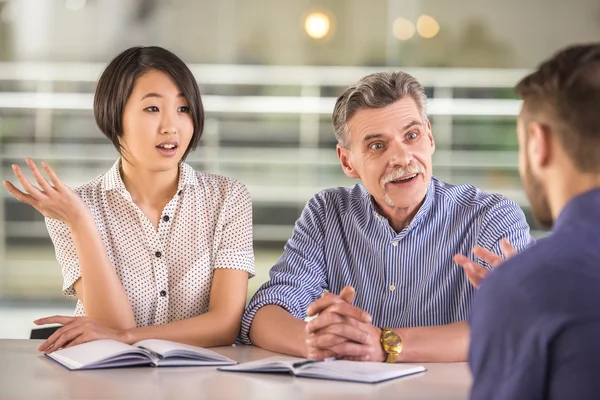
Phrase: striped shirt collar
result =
(112, 179)
(423, 211)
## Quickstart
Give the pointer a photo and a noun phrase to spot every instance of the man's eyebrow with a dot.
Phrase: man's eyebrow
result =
(379, 135)
(411, 124)
(372, 136)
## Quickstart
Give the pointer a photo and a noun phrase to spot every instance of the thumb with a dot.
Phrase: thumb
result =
(347, 294)
(507, 248)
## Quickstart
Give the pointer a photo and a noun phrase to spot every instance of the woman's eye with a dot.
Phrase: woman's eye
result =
(151, 109)
(184, 109)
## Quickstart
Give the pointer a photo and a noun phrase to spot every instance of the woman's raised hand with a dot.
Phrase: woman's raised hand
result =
(53, 199)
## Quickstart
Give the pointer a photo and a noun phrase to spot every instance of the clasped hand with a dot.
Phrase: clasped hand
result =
(342, 330)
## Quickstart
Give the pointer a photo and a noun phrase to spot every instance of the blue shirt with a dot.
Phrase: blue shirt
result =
(535, 326)
(402, 279)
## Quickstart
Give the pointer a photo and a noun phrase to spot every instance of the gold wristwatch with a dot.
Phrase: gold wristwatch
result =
(391, 343)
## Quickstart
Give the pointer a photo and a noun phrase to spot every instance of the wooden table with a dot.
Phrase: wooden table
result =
(26, 374)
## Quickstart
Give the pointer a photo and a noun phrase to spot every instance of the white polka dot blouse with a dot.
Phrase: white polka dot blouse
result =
(166, 273)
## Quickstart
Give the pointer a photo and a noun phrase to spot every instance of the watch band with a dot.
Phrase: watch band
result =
(391, 357)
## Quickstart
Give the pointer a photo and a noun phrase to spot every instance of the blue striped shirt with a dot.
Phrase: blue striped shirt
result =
(403, 279)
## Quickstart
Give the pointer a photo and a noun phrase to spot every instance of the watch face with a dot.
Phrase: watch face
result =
(392, 339)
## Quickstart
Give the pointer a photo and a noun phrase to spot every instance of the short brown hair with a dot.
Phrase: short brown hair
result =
(566, 90)
(377, 90)
(116, 84)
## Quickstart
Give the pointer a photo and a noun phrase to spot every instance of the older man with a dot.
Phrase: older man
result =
(375, 261)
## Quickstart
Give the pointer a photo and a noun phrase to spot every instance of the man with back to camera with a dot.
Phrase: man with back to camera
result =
(536, 320)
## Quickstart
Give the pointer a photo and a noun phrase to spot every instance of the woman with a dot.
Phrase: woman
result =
(152, 248)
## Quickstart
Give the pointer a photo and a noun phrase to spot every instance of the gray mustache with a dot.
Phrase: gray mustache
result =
(417, 169)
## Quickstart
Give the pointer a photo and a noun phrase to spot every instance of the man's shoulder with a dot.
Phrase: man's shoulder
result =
(340, 199)
(470, 198)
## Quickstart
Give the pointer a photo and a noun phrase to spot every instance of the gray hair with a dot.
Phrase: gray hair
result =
(377, 90)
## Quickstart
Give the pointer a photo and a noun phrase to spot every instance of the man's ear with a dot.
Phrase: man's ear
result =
(345, 159)
(430, 136)
(539, 145)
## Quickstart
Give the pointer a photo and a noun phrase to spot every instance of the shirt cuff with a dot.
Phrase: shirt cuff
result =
(250, 313)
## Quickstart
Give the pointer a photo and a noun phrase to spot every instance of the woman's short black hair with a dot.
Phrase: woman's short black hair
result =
(116, 84)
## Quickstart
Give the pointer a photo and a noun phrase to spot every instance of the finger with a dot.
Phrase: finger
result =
(326, 300)
(350, 349)
(476, 275)
(322, 321)
(53, 177)
(475, 272)
(491, 258)
(22, 197)
(349, 311)
(347, 332)
(52, 340)
(29, 188)
(324, 341)
(56, 319)
(320, 354)
(68, 333)
(461, 260)
(356, 358)
(507, 248)
(332, 314)
(347, 294)
(65, 338)
(38, 176)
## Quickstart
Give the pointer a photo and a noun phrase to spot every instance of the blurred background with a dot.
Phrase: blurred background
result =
(270, 71)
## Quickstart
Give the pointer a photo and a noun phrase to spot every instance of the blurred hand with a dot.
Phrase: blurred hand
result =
(76, 330)
(54, 200)
(476, 272)
(342, 330)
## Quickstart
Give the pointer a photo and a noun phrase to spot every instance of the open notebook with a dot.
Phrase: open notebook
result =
(339, 370)
(154, 352)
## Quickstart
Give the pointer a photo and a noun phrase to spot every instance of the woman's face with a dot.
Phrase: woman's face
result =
(157, 124)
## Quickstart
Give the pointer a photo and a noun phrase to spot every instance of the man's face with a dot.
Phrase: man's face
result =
(390, 151)
(534, 186)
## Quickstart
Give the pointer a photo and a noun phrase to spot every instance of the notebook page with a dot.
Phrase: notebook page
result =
(269, 364)
(358, 371)
(168, 349)
(90, 353)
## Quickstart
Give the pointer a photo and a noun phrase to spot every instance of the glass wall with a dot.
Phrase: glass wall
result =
(270, 71)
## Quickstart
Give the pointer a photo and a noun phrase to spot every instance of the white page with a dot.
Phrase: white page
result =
(167, 348)
(359, 371)
(91, 352)
(356, 371)
(270, 364)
